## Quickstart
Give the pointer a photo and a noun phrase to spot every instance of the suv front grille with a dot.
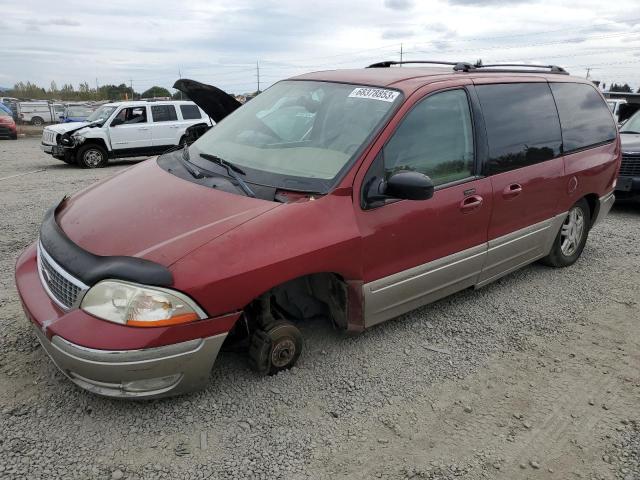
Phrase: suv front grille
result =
(630, 166)
(48, 137)
(62, 287)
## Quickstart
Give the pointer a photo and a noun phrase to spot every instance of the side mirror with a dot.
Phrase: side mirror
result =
(409, 186)
(116, 122)
(405, 185)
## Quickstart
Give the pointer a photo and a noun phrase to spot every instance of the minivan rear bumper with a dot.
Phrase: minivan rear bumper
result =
(606, 202)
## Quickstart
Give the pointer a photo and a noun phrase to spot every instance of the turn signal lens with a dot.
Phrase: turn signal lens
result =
(138, 305)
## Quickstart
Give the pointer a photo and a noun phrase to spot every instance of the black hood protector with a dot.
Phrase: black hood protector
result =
(215, 102)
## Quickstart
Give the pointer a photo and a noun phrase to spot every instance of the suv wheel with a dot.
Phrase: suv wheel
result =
(37, 121)
(571, 238)
(91, 156)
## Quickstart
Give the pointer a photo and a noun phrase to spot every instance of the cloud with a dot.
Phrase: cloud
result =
(392, 34)
(486, 3)
(219, 42)
(399, 4)
(64, 22)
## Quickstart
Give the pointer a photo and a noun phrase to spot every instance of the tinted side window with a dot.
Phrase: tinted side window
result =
(522, 124)
(434, 138)
(190, 112)
(163, 113)
(584, 116)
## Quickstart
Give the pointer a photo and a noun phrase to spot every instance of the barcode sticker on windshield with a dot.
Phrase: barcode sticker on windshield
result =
(374, 94)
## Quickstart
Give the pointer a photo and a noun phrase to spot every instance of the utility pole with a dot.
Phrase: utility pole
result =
(588, 71)
(401, 55)
(131, 85)
(97, 90)
(258, 75)
(179, 77)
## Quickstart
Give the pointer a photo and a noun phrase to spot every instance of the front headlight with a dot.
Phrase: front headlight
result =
(139, 305)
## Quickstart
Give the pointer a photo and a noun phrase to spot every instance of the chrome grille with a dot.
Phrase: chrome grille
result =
(630, 166)
(49, 137)
(61, 286)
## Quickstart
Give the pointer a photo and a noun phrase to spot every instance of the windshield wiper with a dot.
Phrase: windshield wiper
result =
(187, 164)
(232, 170)
(629, 131)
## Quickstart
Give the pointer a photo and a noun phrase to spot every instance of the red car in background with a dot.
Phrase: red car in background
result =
(348, 196)
(7, 125)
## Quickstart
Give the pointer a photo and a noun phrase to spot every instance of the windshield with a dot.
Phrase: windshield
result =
(101, 114)
(298, 134)
(4, 113)
(633, 124)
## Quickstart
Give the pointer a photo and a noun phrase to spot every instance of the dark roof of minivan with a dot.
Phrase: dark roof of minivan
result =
(408, 78)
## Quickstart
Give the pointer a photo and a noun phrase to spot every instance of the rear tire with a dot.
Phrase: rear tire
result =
(37, 121)
(275, 349)
(91, 156)
(572, 237)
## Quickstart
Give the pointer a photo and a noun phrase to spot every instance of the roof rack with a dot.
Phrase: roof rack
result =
(457, 66)
(493, 67)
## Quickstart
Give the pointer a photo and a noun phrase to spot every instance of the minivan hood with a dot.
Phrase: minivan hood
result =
(215, 102)
(630, 142)
(149, 213)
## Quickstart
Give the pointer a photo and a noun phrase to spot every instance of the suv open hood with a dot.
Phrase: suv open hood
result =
(215, 102)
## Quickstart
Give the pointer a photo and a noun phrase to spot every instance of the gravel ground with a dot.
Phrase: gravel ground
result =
(534, 376)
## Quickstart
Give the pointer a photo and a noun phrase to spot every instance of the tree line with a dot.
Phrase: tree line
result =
(84, 92)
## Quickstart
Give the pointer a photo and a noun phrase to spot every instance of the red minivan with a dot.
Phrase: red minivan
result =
(351, 196)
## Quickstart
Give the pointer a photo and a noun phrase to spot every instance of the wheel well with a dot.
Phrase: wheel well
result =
(594, 206)
(94, 141)
(321, 296)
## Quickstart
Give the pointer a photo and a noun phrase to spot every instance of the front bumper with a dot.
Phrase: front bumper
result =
(55, 150)
(146, 373)
(628, 185)
(115, 360)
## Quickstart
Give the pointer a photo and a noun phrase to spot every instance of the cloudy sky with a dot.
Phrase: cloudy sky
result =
(149, 42)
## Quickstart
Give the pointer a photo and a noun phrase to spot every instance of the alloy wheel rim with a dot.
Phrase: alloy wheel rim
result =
(92, 158)
(572, 232)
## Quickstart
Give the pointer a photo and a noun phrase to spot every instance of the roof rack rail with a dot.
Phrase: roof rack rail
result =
(551, 68)
(493, 67)
(457, 66)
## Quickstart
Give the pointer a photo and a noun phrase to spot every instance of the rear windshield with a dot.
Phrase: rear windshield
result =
(298, 134)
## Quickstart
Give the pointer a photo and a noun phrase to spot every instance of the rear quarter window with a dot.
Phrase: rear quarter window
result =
(522, 124)
(163, 113)
(190, 112)
(586, 121)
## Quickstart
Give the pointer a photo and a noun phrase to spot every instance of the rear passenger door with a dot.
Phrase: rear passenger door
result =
(165, 126)
(526, 171)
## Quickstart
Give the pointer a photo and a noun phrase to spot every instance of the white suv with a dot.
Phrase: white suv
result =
(123, 129)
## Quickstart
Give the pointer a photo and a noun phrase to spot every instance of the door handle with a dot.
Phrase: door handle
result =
(143, 128)
(174, 126)
(512, 191)
(471, 203)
